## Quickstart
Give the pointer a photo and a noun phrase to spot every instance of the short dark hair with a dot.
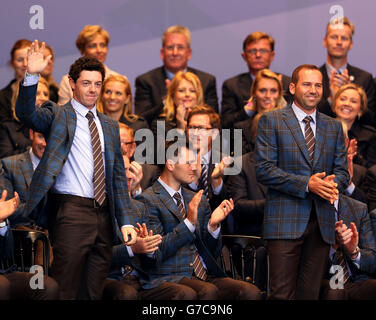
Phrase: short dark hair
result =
(181, 144)
(85, 63)
(215, 120)
(295, 74)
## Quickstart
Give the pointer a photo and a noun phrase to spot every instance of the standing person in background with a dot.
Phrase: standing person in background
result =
(301, 157)
(151, 87)
(18, 61)
(337, 72)
(92, 41)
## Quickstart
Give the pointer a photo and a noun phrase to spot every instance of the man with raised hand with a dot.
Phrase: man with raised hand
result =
(83, 170)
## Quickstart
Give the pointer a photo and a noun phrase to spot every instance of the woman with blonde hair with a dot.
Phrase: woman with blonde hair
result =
(14, 136)
(183, 94)
(266, 95)
(115, 101)
(349, 104)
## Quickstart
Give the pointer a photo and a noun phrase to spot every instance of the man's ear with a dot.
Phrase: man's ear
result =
(292, 88)
(170, 165)
(72, 83)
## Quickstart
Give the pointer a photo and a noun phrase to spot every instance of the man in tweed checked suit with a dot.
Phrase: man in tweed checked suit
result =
(301, 158)
(82, 169)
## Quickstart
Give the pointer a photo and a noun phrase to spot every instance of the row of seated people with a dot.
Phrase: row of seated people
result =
(152, 87)
(127, 276)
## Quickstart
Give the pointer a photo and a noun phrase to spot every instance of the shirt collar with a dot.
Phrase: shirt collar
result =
(330, 68)
(34, 159)
(82, 110)
(300, 114)
(170, 190)
(171, 75)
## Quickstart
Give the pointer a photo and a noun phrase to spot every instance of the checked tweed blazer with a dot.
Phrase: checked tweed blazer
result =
(351, 210)
(58, 124)
(174, 258)
(16, 174)
(284, 166)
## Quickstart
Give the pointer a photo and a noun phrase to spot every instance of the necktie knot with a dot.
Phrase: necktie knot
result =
(90, 116)
(307, 120)
(177, 196)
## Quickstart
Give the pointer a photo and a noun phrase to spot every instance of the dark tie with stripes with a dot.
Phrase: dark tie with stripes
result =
(309, 136)
(198, 266)
(98, 177)
(203, 181)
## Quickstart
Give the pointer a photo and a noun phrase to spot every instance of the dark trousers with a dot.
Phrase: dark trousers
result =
(297, 266)
(222, 289)
(363, 290)
(16, 285)
(82, 247)
(129, 288)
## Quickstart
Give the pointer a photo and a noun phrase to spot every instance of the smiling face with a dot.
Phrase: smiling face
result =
(308, 89)
(87, 88)
(175, 53)
(97, 48)
(47, 71)
(266, 94)
(114, 97)
(19, 63)
(43, 94)
(186, 95)
(38, 143)
(348, 105)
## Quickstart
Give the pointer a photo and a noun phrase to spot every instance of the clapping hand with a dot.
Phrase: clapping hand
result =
(220, 213)
(7, 207)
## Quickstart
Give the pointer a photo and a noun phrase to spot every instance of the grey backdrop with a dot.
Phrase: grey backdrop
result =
(218, 28)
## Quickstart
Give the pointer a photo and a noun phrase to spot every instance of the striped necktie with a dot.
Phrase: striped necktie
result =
(98, 177)
(203, 181)
(309, 136)
(198, 266)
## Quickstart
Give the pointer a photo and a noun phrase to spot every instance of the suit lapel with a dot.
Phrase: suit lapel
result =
(71, 120)
(320, 136)
(167, 200)
(26, 168)
(293, 124)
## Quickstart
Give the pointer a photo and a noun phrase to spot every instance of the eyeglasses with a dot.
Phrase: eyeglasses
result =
(254, 51)
(199, 128)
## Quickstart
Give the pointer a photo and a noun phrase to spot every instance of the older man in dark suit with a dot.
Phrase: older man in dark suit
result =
(338, 72)
(151, 87)
(301, 158)
(82, 168)
(190, 233)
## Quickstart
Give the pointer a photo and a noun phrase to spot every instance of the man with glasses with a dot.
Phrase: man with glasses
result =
(151, 87)
(258, 53)
(203, 126)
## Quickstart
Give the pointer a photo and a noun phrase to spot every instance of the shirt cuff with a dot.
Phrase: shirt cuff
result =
(249, 113)
(215, 234)
(357, 260)
(138, 192)
(189, 225)
(350, 189)
(218, 189)
(130, 252)
(3, 231)
(30, 80)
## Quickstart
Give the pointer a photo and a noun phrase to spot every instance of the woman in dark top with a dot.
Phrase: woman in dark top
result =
(115, 101)
(18, 62)
(349, 104)
(14, 136)
(266, 95)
